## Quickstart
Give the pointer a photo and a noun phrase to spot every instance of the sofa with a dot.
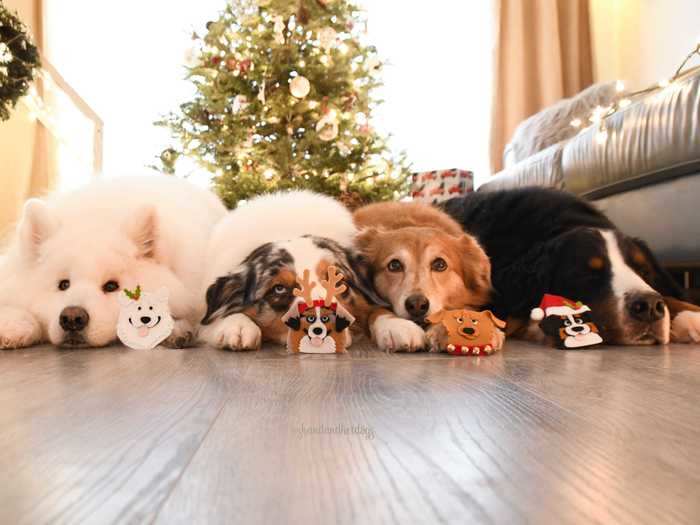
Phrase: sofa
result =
(645, 177)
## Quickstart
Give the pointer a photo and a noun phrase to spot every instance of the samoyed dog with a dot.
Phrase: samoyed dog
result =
(74, 253)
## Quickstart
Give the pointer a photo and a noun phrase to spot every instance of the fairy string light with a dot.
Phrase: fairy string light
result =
(623, 99)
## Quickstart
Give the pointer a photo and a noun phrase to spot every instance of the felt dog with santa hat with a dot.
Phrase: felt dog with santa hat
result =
(569, 323)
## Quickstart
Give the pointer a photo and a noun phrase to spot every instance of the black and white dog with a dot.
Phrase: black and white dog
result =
(547, 241)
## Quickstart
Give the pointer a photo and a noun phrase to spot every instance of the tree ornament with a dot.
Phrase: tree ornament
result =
(240, 103)
(278, 29)
(373, 63)
(261, 93)
(327, 37)
(327, 127)
(300, 87)
(5, 53)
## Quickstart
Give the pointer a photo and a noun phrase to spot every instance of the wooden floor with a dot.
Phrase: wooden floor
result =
(531, 435)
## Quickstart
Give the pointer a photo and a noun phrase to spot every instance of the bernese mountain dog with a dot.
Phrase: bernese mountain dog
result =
(548, 241)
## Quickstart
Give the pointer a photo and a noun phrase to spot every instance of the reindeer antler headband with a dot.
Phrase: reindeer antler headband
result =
(330, 285)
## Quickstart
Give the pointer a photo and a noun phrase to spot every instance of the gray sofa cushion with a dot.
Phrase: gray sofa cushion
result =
(541, 169)
(654, 139)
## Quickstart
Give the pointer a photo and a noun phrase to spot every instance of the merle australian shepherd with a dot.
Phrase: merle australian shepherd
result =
(547, 241)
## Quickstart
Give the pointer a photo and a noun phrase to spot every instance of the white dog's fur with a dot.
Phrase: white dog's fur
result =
(150, 231)
(276, 217)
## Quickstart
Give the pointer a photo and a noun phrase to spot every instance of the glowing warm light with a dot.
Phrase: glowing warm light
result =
(624, 103)
(343, 48)
(601, 137)
(664, 82)
(619, 86)
(269, 173)
(576, 123)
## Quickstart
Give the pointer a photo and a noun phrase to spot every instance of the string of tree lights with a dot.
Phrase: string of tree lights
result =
(599, 115)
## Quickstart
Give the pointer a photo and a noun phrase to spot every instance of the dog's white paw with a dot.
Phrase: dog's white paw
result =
(394, 334)
(182, 335)
(685, 327)
(18, 328)
(235, 332)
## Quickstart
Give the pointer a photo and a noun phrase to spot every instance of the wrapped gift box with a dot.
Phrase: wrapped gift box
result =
(438, 186)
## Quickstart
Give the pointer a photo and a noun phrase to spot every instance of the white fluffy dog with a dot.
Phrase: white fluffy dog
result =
(73, 254)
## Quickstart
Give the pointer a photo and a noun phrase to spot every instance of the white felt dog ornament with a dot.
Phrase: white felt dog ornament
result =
(144, 318)
(318, 326)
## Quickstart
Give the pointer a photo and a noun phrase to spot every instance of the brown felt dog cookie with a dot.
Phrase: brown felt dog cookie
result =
(466, 332)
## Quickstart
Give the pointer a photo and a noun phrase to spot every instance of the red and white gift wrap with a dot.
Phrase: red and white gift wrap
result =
(437, 186)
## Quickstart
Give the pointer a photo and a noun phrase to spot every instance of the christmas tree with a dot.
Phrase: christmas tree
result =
(283, 100)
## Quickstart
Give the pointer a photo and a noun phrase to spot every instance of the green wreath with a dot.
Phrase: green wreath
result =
(19, 59)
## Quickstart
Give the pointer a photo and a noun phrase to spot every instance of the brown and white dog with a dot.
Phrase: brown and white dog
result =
(422, 262)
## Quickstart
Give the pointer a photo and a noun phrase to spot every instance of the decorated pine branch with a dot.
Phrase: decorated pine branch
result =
(19, 59)
(284, 99)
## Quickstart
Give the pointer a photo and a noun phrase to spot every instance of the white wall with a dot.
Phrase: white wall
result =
(642, 41)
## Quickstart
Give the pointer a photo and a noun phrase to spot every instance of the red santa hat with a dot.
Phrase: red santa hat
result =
(557, 305)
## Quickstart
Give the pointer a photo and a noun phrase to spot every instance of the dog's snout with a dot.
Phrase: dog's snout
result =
(145, 320)
(417, 305)
(317, 330)
(578, 328)
(468, 330)
(646, 307)
(74, 318)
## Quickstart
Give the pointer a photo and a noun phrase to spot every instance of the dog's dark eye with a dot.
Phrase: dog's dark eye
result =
(395, 266)
(460, 320)
(64, 284)
(475, 321)
(567, 323)
(279, 289)
(439, 265)
(110, 286)
(150, 308)
(311, 319)
(325, 319)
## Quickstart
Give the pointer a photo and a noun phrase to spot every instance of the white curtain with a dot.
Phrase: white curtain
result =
(437, 85)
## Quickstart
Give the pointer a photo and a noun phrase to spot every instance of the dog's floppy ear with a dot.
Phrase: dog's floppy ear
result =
(343, 318)
(292, 318)
(476, 269)
(366, 238)
(436, 317)
(358, 277)
(550, 325)
(495, 320)
(35, 228)
(143, 230)
(231, 294)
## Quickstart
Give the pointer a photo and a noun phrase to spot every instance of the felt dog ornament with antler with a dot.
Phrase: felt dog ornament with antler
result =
(318, 326)
(465, 332)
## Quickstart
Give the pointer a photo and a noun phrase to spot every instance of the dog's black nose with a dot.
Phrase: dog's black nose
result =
(317, 330)
(73, 318)
(646, 307)
(469, 330)
(417, 305)
(578, 328)
(145, 320)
